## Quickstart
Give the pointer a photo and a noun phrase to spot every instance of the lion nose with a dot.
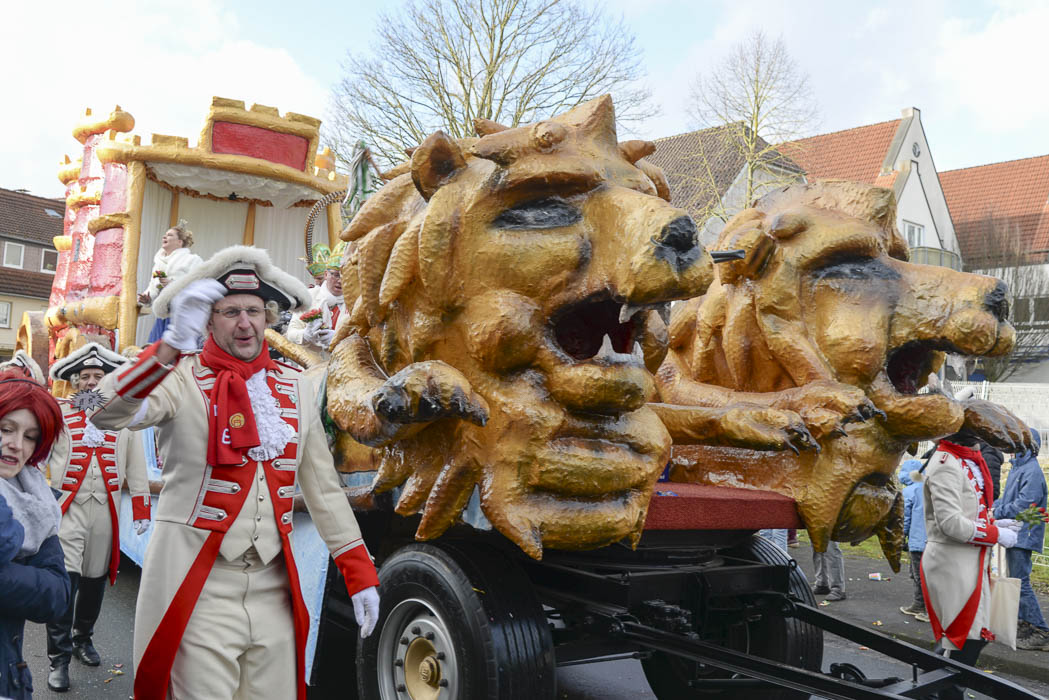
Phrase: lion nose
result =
(678, 243)
(997, 302)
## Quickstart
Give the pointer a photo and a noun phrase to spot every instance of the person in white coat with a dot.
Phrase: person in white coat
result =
(960, 530)
(315, 325)
(220, 613)
(89, 466)
(173, 260)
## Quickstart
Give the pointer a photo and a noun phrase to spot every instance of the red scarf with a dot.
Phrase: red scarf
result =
(973, 455)
(231, 420)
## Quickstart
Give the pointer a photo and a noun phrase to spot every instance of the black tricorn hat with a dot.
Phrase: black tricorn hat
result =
(241, 270)
(90, 356)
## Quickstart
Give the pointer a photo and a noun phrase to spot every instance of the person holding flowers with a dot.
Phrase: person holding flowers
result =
(315, 327)
(1024, 499)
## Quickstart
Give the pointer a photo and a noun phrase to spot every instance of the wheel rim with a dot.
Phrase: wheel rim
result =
(417, 659)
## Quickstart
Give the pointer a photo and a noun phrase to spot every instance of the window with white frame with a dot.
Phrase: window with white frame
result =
(915, 234)
(14, 254)
(5, 314)
(48, 261)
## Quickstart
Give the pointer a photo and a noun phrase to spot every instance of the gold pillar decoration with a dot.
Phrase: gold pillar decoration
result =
(136, 172)
(249, 225)
(334, 223)
(173, 214)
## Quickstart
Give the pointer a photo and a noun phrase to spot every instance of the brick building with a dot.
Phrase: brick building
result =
(28, 258)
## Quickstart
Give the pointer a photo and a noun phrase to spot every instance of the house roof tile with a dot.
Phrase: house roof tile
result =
(24, 217)
(853, 154)
(692, 186)
(25, 283)
(1015, 193)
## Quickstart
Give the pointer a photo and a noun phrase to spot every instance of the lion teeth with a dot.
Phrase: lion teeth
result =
(627, 311)
(608, 354)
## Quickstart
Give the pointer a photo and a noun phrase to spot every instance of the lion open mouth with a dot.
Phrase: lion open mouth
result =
(592, 329)
(909, 365)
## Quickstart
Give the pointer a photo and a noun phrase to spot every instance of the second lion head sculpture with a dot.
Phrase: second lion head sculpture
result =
(826, 303)
(503, 331)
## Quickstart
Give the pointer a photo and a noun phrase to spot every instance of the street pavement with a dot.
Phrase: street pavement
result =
(868, 602)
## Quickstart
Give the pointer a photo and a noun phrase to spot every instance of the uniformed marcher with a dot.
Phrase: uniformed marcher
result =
(960, 530)
(89, 466)
(220, 613)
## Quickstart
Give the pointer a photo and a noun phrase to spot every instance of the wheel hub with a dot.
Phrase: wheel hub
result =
(417, 659)
(422, 671)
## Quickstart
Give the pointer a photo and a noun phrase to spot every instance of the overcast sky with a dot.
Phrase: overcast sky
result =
(976, 70)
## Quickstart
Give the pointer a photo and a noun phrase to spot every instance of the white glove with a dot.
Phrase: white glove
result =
(190, 313)
(1007, 537)
(366, 609)
(141, 526)
(315, 335)
(1009, 524)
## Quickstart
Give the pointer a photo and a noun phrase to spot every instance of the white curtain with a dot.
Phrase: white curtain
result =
(156, 212)
(280, 232)
(215, 224)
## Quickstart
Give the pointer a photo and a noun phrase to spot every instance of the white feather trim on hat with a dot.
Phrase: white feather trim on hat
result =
(62, 367)
(233, 258)
(22, 360)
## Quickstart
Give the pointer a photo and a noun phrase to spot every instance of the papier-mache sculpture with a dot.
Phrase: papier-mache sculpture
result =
(824, 305)
(505, 294)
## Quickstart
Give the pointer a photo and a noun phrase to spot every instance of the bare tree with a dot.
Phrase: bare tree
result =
(755, 98)
(438, 64)
(1007, 255)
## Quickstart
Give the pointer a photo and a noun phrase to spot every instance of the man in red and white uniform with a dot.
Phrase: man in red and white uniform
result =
(89, 466)
(960, 529)
(220, 613)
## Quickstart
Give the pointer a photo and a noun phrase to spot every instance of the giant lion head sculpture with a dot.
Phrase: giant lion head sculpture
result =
(504, 329)
(825, 305)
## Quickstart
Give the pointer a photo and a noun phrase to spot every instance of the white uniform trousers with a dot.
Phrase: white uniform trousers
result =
(240, 640)
(86, 534)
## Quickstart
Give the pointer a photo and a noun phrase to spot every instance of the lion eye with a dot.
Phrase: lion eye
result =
(857, 269)
(539, 214)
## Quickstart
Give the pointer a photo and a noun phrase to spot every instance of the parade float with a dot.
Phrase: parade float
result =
(508, 388)
(251, 178)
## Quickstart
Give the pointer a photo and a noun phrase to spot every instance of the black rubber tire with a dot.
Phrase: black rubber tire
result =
(499, 640)
(780, 639)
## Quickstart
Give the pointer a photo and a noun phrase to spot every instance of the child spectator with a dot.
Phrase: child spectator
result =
(914, 531)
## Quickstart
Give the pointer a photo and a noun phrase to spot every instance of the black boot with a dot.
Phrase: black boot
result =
(60, 643)
(58, 677)
(88, 607)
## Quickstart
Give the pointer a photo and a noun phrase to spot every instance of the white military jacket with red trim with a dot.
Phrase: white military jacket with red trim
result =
(206, 511)
(83, 470)
(250, 511)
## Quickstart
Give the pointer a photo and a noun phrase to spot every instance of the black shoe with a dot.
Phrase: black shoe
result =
(85, 653)
(58, 678)
(821, 590)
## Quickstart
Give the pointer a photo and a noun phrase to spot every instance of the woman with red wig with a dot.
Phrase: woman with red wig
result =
(33, 577)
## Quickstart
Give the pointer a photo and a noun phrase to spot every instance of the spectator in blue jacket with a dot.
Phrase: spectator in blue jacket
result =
(914, 531)
(1024, 487)
(33, 581)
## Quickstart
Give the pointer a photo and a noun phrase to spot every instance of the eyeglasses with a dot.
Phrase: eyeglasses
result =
(232, 312)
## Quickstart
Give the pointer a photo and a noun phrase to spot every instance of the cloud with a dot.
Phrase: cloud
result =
(160, 61)
(975, 71)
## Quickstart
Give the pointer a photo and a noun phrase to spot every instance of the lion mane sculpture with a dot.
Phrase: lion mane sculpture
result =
(825, 304)
(504, 329)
